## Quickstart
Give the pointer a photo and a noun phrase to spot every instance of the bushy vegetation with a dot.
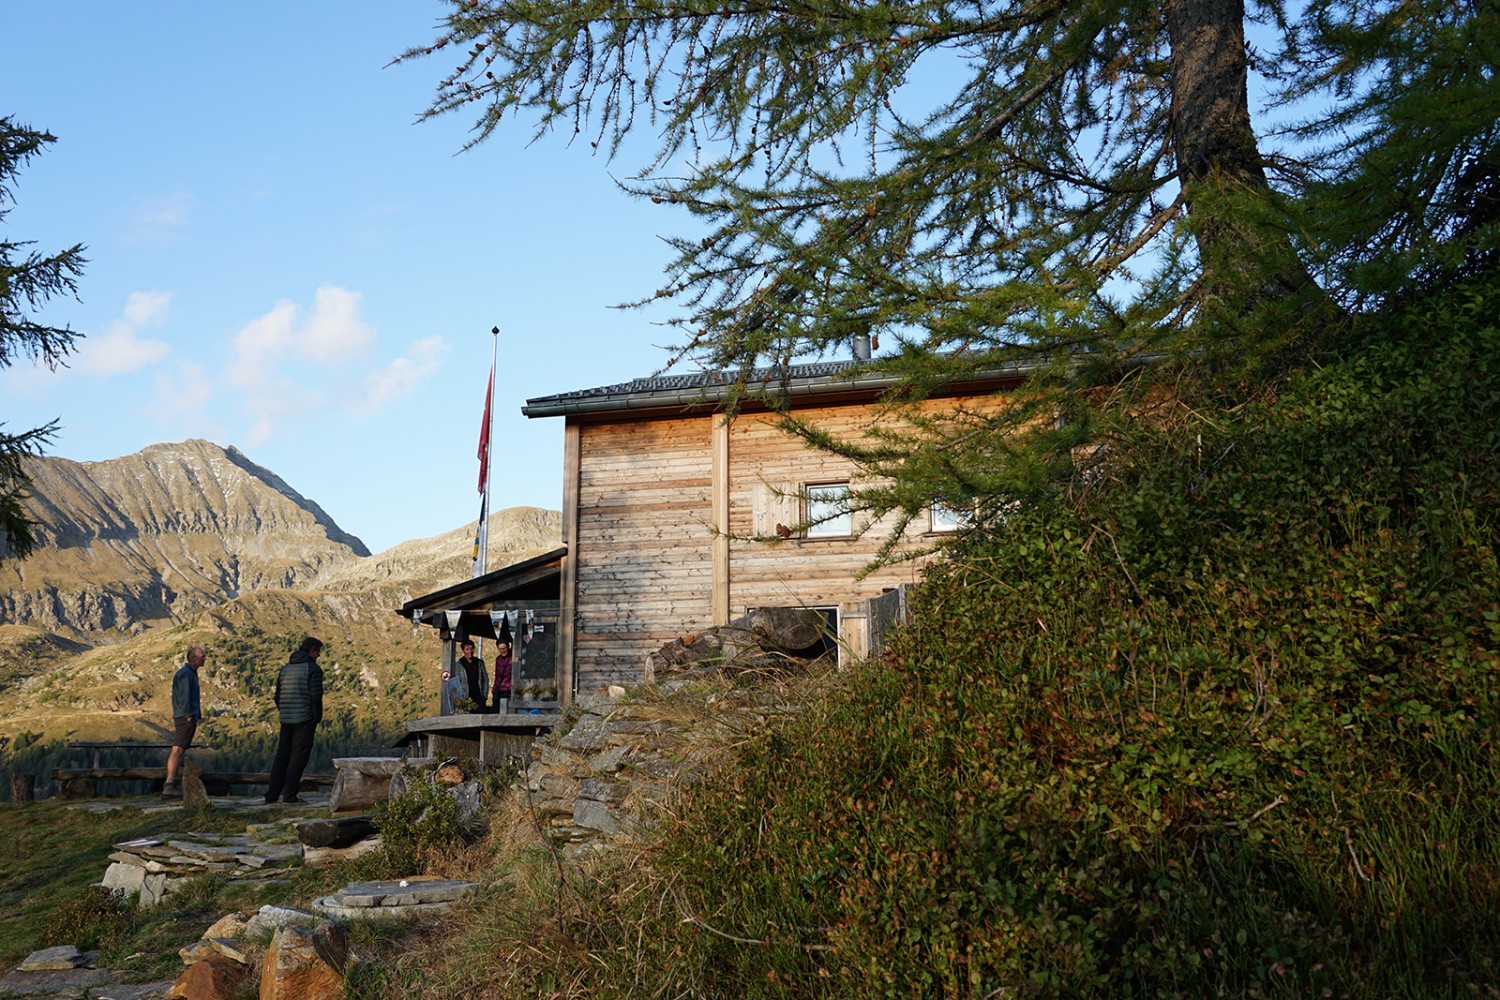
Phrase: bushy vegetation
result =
(425, 823)
(1227, 727)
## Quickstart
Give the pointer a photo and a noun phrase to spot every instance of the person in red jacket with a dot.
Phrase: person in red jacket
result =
(502, 675)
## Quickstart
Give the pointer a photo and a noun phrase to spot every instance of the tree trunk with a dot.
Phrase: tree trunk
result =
(1247, 259)
(22, 788)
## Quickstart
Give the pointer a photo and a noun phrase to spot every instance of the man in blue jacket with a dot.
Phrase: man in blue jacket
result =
(186, 711)
(299, 700)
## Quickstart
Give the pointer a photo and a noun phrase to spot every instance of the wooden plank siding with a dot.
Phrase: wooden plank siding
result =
(643, 559)
(767, 470)
(672, 512)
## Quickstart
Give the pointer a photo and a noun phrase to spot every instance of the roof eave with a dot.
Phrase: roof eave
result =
(712, 396)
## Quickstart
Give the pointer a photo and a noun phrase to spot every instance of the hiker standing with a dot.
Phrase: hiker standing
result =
(186, 711)
(299, 700)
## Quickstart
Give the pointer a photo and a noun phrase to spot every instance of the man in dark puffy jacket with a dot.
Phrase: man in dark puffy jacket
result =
(299, 700)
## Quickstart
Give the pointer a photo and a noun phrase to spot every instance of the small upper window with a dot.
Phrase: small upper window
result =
(951, 517)
(827, 513)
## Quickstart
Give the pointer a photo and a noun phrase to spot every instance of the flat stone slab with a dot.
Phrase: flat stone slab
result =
(269, 918)
(135, 991)
(69, 982)
(311, 801)
(57, 959)
(329, 906)
(389, 893)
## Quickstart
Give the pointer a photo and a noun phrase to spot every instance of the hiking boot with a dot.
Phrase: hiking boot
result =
(171, 788)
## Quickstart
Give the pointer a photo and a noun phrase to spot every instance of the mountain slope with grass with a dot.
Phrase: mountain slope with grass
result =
(1227, 725)
(76, 685)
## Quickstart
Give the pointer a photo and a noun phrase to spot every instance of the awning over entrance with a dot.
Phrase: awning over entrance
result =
(464, 609)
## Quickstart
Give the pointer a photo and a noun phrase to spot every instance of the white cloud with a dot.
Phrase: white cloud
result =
(333, 334)
(262, 341)
(422, 360)
(120, 350)
(289, 362)
(147, 308)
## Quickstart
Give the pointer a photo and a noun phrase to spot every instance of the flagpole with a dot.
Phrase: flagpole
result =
(487, 439)
(489, 468)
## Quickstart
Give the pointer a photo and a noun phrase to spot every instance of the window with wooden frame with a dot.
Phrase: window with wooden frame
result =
(950, 516)
(825, 510)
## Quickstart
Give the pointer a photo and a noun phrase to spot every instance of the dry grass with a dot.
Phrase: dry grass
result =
(569, 930)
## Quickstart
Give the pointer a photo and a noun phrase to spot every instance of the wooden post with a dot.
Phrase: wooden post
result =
(720, 506)
(567, 620)
(22, 788)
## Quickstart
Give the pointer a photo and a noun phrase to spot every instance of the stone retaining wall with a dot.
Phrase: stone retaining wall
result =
(606, 778)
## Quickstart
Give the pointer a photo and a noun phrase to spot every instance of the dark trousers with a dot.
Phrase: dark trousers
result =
(292, 752)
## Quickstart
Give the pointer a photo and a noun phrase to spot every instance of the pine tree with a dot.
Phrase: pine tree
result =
(27, 280)
(983, 181)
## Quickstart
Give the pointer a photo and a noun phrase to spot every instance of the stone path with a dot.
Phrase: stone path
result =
(154, 866)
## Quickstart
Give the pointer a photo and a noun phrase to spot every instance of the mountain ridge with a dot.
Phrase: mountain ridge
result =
(195, 544)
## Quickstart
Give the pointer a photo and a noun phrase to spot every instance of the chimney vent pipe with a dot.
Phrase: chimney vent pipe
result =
(861, 347)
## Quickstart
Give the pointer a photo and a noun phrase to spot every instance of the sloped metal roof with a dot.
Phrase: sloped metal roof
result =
(709, 388)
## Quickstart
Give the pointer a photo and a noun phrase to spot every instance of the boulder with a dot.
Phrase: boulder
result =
(338, 832)
(213, 977)
(194, 795)
(304, 964)
(123, 878)
(231, 925)
(270, 918)
(326, 857)
(197, 951)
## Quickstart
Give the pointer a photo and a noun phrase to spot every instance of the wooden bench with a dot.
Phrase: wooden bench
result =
(79, 782)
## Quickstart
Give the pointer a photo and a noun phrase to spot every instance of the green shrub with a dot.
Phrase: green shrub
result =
(421, 824)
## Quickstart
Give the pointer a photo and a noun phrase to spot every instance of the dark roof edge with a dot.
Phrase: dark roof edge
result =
(712, 394)
(440, 599)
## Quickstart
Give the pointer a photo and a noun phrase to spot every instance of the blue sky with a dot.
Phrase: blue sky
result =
(283, 261)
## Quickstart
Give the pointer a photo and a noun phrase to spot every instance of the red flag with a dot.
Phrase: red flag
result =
(484, 434)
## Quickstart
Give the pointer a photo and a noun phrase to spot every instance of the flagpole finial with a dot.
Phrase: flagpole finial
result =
(495, 330)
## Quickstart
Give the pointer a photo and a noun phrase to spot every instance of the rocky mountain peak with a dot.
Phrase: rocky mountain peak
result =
(151, 536)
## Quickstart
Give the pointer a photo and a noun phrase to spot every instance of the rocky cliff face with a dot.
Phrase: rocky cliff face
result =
(157, 535)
